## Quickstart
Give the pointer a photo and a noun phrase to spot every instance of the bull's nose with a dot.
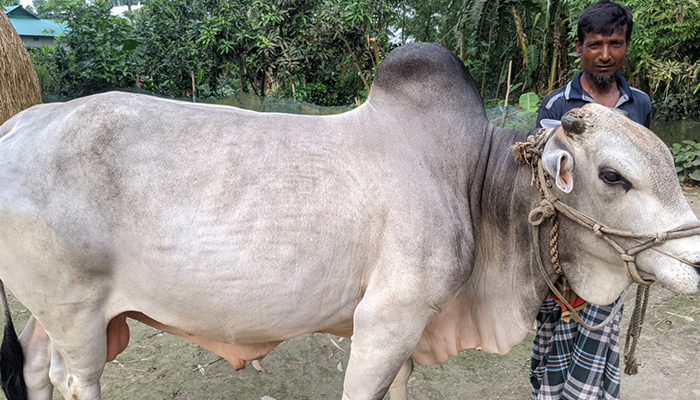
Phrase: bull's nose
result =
(696, 266)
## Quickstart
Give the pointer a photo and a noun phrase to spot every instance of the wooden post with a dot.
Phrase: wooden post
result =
(194, 88)
(294, 92)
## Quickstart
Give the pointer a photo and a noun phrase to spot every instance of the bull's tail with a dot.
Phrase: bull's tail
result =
(11, 357)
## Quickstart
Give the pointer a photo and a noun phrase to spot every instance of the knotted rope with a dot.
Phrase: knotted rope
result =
(634, 331)
(529, 153)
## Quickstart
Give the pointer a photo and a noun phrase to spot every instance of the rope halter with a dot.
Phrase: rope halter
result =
(530, 153)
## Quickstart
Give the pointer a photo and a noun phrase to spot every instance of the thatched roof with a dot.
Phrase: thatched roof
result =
(19, 85)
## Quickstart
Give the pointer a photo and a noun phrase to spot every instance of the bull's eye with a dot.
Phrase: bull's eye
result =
(613, 178)
(610, 177)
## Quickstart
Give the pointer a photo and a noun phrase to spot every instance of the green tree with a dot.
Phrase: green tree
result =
(96, 51)
(51, 9)
(8, 3)
(127, 3)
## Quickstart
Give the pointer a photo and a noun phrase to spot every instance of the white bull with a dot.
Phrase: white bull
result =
(402, 223)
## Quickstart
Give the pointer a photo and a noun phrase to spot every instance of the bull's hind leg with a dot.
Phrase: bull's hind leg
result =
(36, 346)
(78, 354)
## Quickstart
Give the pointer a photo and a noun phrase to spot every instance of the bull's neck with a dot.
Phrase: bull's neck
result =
(505, 288)
(497, 306)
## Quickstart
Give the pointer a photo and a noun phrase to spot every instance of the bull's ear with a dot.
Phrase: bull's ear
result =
(559, 163)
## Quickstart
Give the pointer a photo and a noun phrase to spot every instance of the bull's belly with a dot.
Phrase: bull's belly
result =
(250, 294)
(237, 354)
(238, 313)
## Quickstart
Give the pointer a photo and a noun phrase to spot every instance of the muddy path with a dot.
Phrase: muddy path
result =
(159, 366)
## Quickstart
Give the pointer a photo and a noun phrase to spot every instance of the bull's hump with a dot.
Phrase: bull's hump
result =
(427, 74)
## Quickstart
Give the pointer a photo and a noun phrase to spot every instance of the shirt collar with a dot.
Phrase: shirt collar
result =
(574, 90)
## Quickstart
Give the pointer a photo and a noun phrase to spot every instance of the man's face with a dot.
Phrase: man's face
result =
(603, 56)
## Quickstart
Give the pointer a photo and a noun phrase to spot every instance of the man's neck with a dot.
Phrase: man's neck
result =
(605, 94)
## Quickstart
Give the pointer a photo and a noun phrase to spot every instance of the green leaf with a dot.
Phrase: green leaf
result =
(695, 175)
(130, 44)
(689, 142)
(517, 85)
(528, 101)
(525, 114)
(679, 169)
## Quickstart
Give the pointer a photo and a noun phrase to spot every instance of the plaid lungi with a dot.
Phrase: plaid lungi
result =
(570, 362)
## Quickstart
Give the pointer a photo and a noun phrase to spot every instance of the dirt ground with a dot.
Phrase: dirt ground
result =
(159, 366)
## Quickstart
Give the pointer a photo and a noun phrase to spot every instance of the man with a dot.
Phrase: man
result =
(569, 361)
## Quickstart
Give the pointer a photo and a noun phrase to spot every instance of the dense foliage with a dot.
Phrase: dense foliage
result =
(326, 51)
(686, 156)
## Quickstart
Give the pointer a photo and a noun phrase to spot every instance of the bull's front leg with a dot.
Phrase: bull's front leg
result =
(387, 326)
(399, 388)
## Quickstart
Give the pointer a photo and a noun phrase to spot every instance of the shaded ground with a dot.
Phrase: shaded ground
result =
(159, 366)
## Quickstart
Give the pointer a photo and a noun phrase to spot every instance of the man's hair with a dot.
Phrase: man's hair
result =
(604, 17)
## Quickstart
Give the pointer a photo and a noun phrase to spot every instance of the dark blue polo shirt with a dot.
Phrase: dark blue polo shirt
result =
(632, 100)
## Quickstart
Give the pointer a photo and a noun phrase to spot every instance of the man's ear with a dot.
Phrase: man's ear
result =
(579, 47)
(559, 161)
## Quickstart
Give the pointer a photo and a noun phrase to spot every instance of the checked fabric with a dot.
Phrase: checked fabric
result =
(570, 362)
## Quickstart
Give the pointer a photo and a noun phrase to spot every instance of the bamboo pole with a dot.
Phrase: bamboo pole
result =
(505, 105)
(510, 68)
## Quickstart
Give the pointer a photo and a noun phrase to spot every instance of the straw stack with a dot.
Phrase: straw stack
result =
(19, 85)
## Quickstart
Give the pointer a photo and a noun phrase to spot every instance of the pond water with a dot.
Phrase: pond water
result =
(676, 131)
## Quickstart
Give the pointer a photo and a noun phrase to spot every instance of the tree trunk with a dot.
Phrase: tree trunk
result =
(486, 62)
(241, 74)
(500, 78)
(357, 64)
(462, 43)
(263, 83)
(522, 39)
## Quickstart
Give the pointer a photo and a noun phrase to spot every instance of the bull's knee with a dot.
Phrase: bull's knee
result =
(399, 388)
(73, 383)
(36, 346)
